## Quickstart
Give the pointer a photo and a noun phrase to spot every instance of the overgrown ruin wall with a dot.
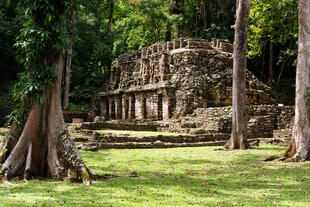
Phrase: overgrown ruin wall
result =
(173, 79)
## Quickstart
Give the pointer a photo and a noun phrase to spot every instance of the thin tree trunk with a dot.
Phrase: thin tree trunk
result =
(68, 66)
(110, 18)
(205, 11)
(180, 10)
(238, 138)
(168, 26)
(301, 132)
(283, 65)
(281, 70)
(270, 79)
(109, 62)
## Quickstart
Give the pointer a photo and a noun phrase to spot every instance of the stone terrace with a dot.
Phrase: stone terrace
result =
(170, 80)
(183, 87)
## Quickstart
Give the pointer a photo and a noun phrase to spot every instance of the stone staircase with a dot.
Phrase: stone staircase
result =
(91, 140)
(205, 127)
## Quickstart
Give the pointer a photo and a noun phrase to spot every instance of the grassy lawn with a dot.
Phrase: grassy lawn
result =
(138, 133)
(174, 177)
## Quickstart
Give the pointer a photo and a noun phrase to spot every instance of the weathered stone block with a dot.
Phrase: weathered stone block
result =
(176, 44)
(169, 46)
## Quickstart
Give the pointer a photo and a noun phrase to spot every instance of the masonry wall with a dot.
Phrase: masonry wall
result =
(184, 74)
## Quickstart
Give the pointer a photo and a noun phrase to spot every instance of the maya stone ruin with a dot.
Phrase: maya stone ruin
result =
(171, 80)
(185, 86)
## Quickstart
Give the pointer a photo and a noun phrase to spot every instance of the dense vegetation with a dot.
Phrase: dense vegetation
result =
(102, 30)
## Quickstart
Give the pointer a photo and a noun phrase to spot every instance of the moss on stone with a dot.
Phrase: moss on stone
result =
(72, 175)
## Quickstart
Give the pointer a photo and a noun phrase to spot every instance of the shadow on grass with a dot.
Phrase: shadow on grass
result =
(226, 179)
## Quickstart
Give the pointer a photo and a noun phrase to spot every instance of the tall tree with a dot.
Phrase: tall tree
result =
(68, 64)
(41, 145)
(110, 39)
(300, 144)
(238, 138)
(299, 147)
(270, 77)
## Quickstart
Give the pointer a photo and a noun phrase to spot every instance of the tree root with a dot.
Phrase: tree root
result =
(28, 162)
(95, 176)
(284, 156)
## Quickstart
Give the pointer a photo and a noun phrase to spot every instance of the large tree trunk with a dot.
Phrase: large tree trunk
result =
(68, 66)
(238, 138)
(44, 147)
(300, 143)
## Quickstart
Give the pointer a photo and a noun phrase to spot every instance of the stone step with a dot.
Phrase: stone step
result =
(88, 146)
(95, 146)
(121, 125)
(173, 139)
(82, 139)
(159, 144)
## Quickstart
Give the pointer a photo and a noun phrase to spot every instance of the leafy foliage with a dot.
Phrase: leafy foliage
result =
(42, 26)
(29, 88)
(42, 36)
(272, 19)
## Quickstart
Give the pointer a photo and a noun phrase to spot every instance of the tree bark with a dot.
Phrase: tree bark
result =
(111, 13)
(271, 78)
(44, 148)
(169, 26)
(110, 39)
(238, 138)
(205, 15)
(299, 151)
(179, 9)
(68, 66)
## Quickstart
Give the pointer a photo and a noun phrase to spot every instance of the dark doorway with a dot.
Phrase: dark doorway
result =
(144, 111)
(107, 108)
(113, 110)
(126, 109)
(133, 107)
(160, 106)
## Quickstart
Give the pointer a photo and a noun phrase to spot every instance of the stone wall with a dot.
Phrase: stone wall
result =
(262, 119)
(173, 79)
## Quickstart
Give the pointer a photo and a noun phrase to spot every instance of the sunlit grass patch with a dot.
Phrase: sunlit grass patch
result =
(174, 177)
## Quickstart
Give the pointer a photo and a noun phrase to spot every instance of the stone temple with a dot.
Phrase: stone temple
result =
(184, 87)
(171, 80)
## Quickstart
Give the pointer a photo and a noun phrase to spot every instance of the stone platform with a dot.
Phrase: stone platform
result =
(170, 80)
(205, 127)
(184, 86)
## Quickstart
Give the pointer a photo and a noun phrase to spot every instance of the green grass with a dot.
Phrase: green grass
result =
(138, 133)
(174, 177)
(77, 135)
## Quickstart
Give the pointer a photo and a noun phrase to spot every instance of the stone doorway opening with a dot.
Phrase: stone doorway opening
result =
(126, 109)
(160, 106)
(132, 108)
(144, 110)
(106, 115)
(113, 109)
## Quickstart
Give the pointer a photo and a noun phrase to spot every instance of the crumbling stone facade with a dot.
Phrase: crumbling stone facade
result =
(173, 79)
